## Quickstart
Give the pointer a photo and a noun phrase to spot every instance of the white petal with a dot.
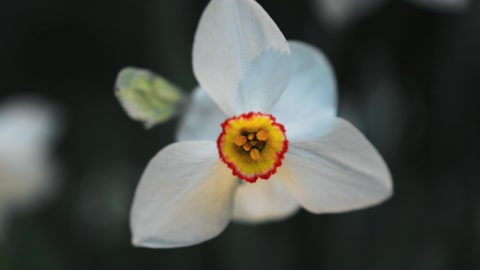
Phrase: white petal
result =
(308, 107)
(184, 197)
(264, 82)
(263, 201)
(341, 171)
(202, 119)
(230, 35)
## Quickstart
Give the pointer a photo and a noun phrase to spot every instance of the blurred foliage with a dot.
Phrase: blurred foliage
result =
(146, 96)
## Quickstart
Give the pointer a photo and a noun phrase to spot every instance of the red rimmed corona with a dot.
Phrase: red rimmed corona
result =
(252, 145)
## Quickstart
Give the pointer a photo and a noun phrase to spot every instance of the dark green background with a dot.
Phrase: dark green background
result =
(424, 122)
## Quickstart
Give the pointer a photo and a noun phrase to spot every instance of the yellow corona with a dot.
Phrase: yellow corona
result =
(252, 145)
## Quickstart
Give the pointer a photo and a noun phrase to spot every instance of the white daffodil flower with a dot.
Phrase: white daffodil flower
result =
(338, 13)
(260, 139)
(27, 128)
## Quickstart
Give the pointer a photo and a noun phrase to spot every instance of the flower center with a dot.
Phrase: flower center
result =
(252, 145)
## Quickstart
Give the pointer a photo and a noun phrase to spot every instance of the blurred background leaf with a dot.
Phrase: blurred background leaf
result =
(147, 97)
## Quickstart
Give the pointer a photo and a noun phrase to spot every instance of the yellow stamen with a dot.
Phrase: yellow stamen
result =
(255, 154)
(251, 136)
(262, 135)
(240, 140)
(247, 147)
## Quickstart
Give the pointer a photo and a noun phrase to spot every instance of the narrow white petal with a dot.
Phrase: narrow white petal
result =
(308, 107)
(184, 197)
(339, 172)
(263, 201)
(230, 35)
(202, 119)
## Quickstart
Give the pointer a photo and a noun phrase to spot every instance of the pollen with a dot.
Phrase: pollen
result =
(252, 145)
(240, 140)
(262, 135)
(247, 147)
(255, 154)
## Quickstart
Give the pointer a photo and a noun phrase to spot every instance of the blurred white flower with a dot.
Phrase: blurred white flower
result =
(261, 89)
(338, 13)
(27, 172)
